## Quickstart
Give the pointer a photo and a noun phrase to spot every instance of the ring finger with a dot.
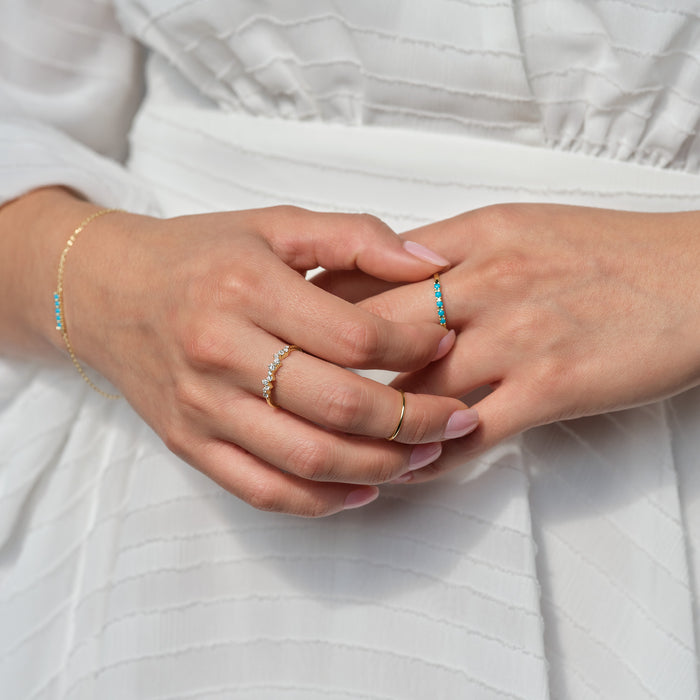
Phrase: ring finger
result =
(338, 399)
(425, 301)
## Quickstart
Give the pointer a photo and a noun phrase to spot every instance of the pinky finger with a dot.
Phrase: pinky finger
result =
(267, 488)
(502, 414)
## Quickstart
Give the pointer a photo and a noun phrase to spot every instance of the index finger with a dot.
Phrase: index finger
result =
(344, 334)
(306, 240)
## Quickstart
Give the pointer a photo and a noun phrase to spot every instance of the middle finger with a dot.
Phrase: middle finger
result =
(294, 445)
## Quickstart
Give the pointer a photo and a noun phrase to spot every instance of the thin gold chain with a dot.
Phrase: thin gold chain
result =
(59, 308)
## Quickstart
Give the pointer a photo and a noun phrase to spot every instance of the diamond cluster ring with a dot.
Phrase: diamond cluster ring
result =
(269, 381)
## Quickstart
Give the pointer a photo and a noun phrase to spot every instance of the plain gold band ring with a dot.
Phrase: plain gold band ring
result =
(403, 413)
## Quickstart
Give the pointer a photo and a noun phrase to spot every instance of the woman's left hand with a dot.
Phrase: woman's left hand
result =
(563, 311)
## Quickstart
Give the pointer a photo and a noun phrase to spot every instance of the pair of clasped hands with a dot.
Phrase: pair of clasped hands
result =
(562, 311)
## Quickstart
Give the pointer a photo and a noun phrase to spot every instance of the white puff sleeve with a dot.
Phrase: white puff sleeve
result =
(70, 83)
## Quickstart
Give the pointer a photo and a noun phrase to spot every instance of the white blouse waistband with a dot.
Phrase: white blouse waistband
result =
(197, 157)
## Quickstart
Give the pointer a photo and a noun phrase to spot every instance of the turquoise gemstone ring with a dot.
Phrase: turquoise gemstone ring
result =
(438, 300)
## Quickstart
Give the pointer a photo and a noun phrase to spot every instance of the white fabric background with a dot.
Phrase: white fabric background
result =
(562, 564)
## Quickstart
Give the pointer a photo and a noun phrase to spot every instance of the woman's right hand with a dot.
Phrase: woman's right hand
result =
(184, 316)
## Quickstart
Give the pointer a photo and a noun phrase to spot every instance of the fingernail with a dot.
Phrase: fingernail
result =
(402, 479)
(425, 254)
(361, 497)
(461, 423)
(446, 344)
(423, 455)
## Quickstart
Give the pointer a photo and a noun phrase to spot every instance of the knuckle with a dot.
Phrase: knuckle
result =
(533, 332)
(202, 348)
(383, 471)
(233, 287)
(175, 438)
(263, 496)
(286, 211)
(344, 406)
(379, 306)
(500, 223)
(278, 218)
(499, 216)
(502, 230)
(552, 375)
(190, 395)
(368, 223)
(419, 424)
(219, 282)
(310, 460)
(172, 441)
(313, 507)
(519, 330)
(507, 272)
(359, 343)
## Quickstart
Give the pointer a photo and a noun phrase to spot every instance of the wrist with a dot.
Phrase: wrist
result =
(678, 259)
(34, 230)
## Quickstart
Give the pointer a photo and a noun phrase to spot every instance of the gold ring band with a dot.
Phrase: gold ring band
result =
(269, 381)
(403, 413)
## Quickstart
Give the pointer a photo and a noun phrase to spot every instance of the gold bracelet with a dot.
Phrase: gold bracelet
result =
(58, 303)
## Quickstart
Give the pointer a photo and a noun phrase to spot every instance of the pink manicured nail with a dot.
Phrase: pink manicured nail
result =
(404, 478)
(425, 254)
(461, 423)
(361, 497)
(423, 455)
(446, 344)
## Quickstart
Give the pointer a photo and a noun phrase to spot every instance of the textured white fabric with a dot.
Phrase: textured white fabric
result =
(563, 564)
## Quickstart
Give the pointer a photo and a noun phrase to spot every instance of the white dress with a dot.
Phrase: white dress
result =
(566, 568)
